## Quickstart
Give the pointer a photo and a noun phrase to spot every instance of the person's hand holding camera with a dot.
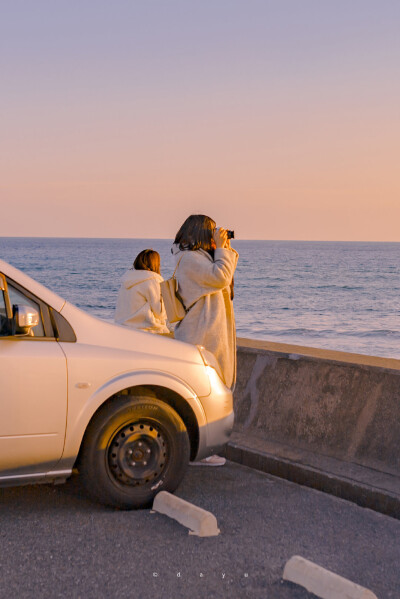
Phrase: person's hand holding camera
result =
(221, 238)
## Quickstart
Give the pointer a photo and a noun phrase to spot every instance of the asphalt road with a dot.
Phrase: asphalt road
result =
(54, 542)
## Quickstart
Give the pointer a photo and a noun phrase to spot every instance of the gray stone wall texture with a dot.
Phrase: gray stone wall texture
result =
(345, 406)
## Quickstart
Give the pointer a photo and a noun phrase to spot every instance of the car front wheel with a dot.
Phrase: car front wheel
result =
(133, 448)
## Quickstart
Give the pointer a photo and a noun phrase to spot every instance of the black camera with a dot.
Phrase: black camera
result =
(230, 234)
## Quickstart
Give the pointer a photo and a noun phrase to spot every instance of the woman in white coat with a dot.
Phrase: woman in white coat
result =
(205, 278)
(139, 303)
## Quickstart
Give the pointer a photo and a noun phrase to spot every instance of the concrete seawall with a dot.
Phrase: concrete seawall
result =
(327, 419)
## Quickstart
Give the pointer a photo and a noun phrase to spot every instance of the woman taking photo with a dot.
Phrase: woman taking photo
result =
(206, 263)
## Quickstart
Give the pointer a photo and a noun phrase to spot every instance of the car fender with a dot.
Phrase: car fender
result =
(78, 421)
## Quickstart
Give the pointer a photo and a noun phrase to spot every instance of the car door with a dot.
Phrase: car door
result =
(33, 390)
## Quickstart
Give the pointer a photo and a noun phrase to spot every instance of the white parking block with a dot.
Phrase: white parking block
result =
(199, 521)
(321, 582)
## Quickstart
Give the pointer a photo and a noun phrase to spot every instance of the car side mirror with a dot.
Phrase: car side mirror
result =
(25, 318)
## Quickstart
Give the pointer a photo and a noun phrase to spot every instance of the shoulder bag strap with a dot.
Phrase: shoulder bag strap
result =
(176, 267)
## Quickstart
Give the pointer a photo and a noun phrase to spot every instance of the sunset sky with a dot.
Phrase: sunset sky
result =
(278, 118)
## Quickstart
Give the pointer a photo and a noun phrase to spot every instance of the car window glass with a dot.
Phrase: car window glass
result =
(18, 298)
(4, 322)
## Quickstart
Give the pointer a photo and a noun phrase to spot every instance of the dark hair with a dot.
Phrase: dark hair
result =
(147, 260)
(196, 233)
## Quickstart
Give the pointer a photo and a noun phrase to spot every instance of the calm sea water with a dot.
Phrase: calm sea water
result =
(336, 295)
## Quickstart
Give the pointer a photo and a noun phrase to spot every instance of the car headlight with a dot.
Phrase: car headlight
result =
(210, 361)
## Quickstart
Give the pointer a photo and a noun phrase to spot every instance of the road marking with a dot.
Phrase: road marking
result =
(321, 582)
(200, 522)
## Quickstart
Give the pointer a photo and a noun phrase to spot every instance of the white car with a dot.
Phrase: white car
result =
(127, 409)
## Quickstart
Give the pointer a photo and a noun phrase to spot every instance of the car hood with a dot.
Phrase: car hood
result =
(94, 331)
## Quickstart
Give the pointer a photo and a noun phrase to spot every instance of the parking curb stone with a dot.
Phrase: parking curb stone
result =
(321, 582)
(200, 522)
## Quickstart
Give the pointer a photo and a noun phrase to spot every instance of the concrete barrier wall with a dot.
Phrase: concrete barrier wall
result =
(340, 405)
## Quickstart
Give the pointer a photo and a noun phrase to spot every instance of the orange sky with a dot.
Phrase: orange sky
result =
(123, 122)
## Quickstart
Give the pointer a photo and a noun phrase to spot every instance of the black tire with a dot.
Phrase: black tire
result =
(133, 448)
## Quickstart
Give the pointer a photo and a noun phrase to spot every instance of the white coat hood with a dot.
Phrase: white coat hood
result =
(135, 277)
(139, 302)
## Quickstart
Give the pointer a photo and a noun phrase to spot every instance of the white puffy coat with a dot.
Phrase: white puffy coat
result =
(211, 321)
(139, 302)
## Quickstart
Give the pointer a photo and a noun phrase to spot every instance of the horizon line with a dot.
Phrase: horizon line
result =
(169, 238)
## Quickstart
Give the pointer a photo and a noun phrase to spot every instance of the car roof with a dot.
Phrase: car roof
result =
(42, 292)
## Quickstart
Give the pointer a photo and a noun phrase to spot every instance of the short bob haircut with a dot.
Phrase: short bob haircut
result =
(196, 233)
(147, 260)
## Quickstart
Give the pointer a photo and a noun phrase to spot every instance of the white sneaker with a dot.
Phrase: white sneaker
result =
(212, 460)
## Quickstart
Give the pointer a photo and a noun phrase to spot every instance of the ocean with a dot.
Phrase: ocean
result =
(336, 295)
